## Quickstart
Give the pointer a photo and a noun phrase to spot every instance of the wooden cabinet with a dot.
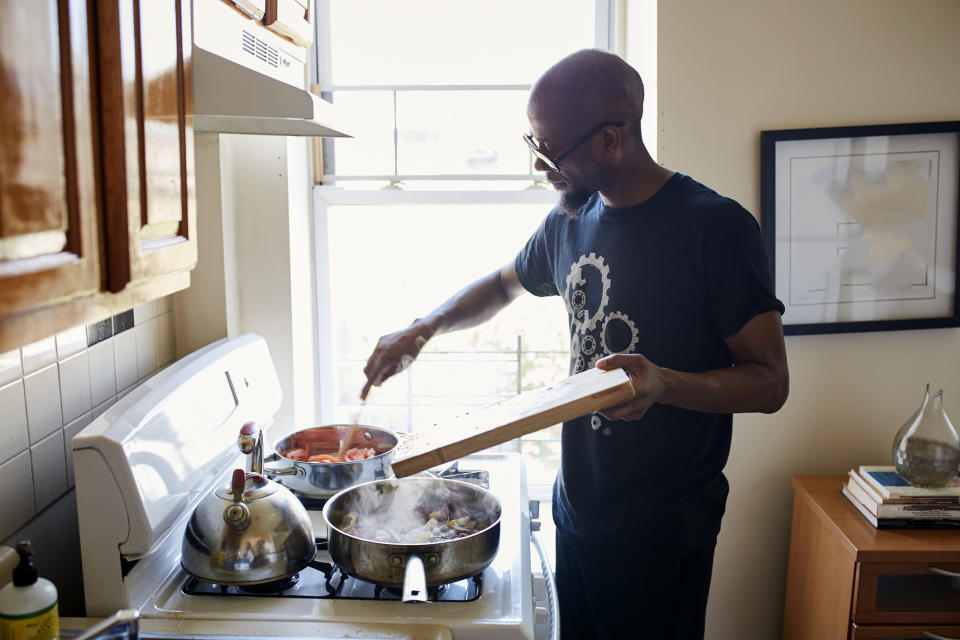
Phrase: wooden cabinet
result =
(849, 580)
(97, 203)
(48, 211)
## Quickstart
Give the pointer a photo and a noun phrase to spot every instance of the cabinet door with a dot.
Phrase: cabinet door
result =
(927, 632)
(146, 111)
(48, 217)
(908, 593)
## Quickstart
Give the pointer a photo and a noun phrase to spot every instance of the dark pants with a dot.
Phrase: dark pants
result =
(655, 595)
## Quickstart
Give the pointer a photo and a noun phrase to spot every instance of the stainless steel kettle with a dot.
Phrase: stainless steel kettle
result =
(250, 532)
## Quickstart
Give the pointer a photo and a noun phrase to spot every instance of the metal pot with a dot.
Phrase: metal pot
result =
(411, 566)
(325, 479)
(251, 532)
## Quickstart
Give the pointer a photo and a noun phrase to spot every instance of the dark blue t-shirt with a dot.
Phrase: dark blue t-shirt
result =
(669, 279)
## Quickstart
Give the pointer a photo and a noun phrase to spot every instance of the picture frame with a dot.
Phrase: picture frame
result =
(860, 225)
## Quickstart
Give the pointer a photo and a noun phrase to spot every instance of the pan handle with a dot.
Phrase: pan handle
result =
(414, 580)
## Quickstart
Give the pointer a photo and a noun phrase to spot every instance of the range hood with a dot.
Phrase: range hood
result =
(248, 79)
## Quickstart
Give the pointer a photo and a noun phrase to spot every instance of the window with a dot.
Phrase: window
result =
(436, 191)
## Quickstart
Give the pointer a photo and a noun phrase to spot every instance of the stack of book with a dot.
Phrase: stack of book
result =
(890, 502)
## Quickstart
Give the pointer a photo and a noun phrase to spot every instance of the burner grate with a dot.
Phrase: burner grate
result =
(323, 580)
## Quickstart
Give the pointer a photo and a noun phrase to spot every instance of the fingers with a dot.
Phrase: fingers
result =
(624, 412)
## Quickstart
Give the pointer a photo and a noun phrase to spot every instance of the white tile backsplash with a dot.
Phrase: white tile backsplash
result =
(166, 349)
(38, 355)
(103, 372)
(144, 312)
(53, 388)
(75, 386)
(49, 470)
(125, 359)
(69, 431)
(14, 437)
(16, 493)
(42, 392)
(146, 347)
(71, 341)
(10, 368)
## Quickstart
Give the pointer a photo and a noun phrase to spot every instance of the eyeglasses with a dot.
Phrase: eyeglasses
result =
(554, 163)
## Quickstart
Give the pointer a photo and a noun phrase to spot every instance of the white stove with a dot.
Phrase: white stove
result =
(143, 466)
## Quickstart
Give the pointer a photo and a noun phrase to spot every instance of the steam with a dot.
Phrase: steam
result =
(392, 508)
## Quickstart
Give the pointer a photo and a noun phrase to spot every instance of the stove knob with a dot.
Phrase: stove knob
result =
(539, 588)
(540, 615)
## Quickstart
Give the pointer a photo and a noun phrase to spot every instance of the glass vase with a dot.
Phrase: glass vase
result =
(926, 451)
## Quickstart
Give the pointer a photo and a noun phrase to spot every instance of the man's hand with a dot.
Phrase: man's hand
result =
(648, 385)
(394, 353)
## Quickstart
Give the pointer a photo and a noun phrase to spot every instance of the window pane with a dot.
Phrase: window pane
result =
(370, 153)
(390, 264)
(452, 41)
(462, 132)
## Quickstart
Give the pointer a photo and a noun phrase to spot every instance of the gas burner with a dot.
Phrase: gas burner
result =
(323, 580)
(274, 586)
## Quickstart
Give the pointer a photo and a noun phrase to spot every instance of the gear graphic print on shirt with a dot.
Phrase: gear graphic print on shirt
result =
(596, 330)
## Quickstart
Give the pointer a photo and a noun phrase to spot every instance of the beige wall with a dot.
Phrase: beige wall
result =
(728, 70)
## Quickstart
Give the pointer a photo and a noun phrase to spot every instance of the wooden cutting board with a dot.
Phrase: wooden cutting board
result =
(530, 411)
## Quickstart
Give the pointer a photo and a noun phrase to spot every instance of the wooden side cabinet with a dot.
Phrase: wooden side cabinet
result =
(847, 580)
(97, 202)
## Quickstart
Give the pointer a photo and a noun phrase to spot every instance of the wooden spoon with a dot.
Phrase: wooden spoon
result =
(348, 436)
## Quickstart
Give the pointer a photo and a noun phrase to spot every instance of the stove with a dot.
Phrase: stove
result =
(143, 466)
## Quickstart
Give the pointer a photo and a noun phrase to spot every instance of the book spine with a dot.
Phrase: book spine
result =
(914, 510)
(901, 523)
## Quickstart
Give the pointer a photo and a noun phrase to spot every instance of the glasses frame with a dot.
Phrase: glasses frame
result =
(554, 163)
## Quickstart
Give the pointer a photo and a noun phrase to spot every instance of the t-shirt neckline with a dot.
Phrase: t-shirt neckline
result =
(609, 214)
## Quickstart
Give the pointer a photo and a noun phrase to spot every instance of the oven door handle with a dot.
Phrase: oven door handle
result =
(553, 604)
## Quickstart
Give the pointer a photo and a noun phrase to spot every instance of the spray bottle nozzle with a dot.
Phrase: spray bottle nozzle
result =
(26, 572)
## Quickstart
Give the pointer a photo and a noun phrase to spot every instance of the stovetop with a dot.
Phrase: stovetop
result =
(324, 579)
(497, 603)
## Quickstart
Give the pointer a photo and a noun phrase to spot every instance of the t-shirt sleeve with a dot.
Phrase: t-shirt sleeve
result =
(533, 264)
(738, 281)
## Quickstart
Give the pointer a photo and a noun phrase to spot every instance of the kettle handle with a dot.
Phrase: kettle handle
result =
(250, 442)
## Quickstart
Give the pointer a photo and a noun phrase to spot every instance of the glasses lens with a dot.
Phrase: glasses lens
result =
(536, 151)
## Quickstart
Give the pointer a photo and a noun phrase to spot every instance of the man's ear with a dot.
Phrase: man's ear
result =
(612, 139)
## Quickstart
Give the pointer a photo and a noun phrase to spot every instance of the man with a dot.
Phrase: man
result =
(666, 279)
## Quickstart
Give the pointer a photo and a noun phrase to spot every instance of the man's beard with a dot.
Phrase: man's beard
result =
(571, 201)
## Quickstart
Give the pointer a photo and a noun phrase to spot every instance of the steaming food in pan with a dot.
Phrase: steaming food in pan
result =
(436, 524)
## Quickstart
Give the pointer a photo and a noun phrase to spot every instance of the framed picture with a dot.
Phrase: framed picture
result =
(860, 225)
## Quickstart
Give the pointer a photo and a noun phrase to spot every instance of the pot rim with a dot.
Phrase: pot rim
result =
(276, 446)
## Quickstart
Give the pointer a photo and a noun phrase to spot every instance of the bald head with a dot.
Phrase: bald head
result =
(589, 85)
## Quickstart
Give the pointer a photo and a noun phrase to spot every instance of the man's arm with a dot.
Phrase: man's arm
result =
(474, 304)
(758, 381)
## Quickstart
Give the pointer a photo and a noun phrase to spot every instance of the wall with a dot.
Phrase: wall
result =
(255, 266)
(49, 391)
(728, 70)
